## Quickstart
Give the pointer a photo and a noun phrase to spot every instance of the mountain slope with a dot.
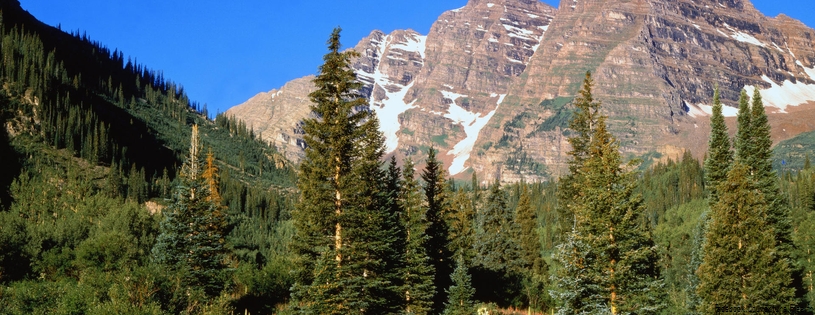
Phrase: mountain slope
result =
(490, 85)
(436, 89)
(72, 94)
(655, 65)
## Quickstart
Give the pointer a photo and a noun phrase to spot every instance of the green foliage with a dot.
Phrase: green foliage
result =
(460, 294)
(669, 184)
(461, 219)
(345, 229)
(194, 227)
(438, 230)
(742, 266)
(719, 154)
(610, 262)
(561, 114)
(535, 269)
(496, 245)
(679, 237)
(419, 274)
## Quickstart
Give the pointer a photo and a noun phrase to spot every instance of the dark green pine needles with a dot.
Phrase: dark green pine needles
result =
(609, 261)
(720, 156)
(460, 294)
(345, 231)
(742, 268)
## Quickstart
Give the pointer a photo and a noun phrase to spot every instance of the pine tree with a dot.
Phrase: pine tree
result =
(609, 257)
(194, 228)
(759, 158)
(460, 294)
(496, 245)
(527, 221)
(344, 210)
(741, 267)
(534, 267)
(720, 155)
(461, 218)
(744, 135)
(583, 122)
(437, 229)
(419, 272)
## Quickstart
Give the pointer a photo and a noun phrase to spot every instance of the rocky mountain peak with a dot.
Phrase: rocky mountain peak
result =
(489, 86)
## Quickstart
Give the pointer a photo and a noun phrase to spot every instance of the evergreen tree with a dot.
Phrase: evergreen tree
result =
(535, 269)
(584, 120)
(194, 227)
(437, 228)
(527, 221)
(461, 218)
(759, 159)
(610, 256)
(460, 294)
(344, 210)
(496, 245)
(744, 135)
(741, 267)
(720, 155)
(419, 272)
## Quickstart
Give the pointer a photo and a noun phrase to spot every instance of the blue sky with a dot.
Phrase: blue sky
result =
(225, 52)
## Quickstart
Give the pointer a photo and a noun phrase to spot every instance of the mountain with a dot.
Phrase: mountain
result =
(490, 85)
(64, 93)
(438, 89)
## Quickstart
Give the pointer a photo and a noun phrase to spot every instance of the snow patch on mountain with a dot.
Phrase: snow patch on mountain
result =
(472, 124)
(784, 95)
(702, 110)
(741, 36)
(389, 108)
(415, 43)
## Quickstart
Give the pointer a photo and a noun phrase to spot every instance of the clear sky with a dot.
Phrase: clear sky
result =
(224, 52)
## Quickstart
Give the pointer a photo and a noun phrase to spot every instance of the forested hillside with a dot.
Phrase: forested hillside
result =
(92, 147)
(119, 196)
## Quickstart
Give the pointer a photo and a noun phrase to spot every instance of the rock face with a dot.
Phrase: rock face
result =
(655, 65)
(490, 85)
(276, 116)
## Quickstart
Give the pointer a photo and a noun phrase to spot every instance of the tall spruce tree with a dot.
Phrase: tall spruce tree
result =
(343, 211)
(610, 257)
(741, 266)
(437, 228)
(744, 135)
(535, 269)
(461, 218)
(496, 245)
(583, 122)
(759, 159)
(419, 273)
(720, 156)
(460, 294)
(194, 227)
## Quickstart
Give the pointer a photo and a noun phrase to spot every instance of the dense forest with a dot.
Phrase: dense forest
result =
(118, 195)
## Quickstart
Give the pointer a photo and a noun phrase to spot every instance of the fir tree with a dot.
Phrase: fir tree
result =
(741, 266)
(419, 272)
(344, 210)
(759, 158)
(583, 122)
(460, 294)
(535, 269)
(496, 246)
(461, 218)
(744, 135)
(720, 155)
(194, 228)
(437, 228)
(609, 257)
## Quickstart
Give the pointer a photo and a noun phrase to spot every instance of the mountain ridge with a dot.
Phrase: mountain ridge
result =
(492, 87)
